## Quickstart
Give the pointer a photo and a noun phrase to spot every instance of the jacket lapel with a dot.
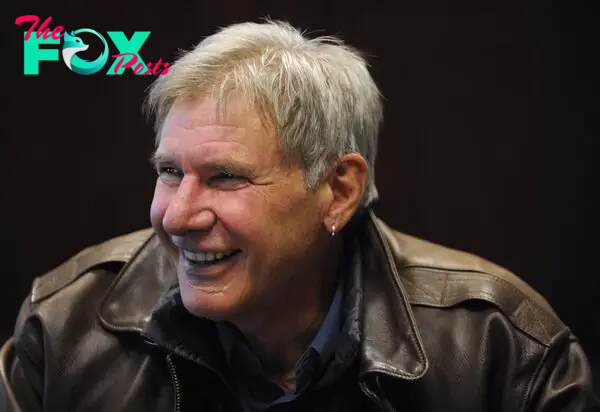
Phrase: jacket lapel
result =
(141, 285)
(391, 341)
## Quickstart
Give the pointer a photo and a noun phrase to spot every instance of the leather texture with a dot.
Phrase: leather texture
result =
(443, 330)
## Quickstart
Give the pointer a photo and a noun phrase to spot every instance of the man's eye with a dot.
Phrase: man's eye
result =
(170, 171)
(169, 175)
(227, 180)
(224, 176)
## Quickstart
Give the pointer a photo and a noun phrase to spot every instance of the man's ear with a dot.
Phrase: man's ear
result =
(347, 183)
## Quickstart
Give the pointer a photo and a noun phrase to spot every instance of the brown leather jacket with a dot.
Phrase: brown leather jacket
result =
(443, 331)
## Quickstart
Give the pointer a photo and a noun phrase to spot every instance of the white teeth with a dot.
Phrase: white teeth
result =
(205, 257)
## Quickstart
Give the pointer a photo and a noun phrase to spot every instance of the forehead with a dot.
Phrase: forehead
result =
(196, 133)
(202, 120)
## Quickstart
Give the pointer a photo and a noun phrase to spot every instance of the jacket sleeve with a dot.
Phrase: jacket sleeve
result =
(564, 383)
(21, 367)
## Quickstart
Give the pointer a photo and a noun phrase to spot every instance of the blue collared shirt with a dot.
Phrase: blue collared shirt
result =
(331, 352)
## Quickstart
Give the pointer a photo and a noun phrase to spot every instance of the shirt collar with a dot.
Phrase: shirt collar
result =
(331, 328)
(341, 330)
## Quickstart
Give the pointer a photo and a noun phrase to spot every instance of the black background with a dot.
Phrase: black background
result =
(489, 142)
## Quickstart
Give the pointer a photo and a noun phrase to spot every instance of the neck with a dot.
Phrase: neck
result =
(286, 326)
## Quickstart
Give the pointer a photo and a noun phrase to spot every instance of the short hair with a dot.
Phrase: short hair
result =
(318, 93)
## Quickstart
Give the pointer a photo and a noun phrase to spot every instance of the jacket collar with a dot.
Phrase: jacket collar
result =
(391, 342)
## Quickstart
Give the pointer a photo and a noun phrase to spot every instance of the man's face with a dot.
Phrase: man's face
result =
(235, 216)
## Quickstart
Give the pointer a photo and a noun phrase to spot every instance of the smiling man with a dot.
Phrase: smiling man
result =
(240, 223)
(225, 204)
(267, 283)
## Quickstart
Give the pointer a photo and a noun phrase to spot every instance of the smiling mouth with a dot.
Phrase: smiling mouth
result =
(208, 258)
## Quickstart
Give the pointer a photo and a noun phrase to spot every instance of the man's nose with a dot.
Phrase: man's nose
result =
(189, 209)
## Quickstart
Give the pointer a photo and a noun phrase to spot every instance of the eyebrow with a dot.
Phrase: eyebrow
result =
(224, 166)
(158, 158)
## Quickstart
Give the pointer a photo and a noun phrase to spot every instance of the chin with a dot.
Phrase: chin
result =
(206, 304)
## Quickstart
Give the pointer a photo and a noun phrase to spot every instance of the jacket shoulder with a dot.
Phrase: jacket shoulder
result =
(437, 276)
(116, 250)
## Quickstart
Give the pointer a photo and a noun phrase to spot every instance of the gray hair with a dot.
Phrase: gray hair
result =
(317, 92)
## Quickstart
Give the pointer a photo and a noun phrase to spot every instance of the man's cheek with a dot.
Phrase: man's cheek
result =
(242, 209)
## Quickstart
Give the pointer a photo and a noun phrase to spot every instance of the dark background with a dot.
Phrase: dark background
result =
(488, 146)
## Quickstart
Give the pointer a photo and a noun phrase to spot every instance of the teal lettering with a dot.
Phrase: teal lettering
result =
(33, 54)
(132, 46)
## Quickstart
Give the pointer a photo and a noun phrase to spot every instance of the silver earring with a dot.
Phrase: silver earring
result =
(333, 230)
